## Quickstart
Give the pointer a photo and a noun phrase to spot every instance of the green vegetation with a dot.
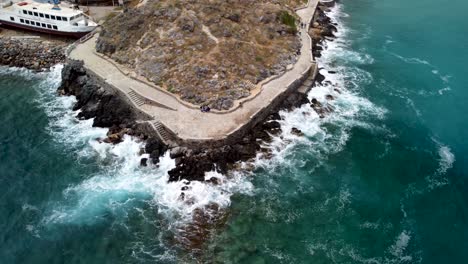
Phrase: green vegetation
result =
(171, 89)
(288, 20)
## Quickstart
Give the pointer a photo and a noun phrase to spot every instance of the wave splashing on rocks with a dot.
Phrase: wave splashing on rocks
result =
(120, 190)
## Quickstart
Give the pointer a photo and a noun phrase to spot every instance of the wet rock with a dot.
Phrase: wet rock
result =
(318, 107)
(297, 132)
(177, 152)
(155, 148)
(144, 162)
(214, 180)
(113, 138)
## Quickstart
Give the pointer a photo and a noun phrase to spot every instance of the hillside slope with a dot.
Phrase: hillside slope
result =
(209, 52)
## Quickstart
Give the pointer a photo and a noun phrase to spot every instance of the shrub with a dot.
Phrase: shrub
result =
(288, 20)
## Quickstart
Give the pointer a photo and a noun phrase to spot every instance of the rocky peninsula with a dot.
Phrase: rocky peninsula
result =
(200, 53)
(109, 109)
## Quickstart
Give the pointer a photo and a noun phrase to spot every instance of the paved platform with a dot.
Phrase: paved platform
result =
(188, 123)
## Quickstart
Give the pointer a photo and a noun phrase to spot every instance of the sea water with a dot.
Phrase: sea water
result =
(381, 179)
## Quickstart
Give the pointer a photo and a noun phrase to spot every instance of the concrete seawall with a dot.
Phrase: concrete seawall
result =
(256, 118)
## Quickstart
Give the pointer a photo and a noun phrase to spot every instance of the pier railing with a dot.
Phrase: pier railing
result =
(80, 40)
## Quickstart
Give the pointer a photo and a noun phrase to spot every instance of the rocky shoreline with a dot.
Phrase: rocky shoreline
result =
(109, 110)
(33, 54)
(322, 28)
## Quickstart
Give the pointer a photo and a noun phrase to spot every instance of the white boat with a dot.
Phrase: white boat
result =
(46, 18)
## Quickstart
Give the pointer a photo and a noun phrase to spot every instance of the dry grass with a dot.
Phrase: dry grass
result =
(164, 42)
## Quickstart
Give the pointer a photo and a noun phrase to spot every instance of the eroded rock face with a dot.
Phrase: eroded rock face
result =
(207, 52)
(107, 108)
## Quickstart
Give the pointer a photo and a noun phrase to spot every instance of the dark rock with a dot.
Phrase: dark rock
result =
(144, 162)
(319, 78)
(155, 148)
(234, 17)
(297, 132)
(177, 152)
(213, 180)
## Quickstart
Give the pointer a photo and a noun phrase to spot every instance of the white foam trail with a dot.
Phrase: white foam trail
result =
(447, 158)
(398, 249)
(412, 60)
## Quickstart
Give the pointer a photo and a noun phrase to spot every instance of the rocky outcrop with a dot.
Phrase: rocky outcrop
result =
(37, 55)
(107, 108)
(104, 106)
(321, 28)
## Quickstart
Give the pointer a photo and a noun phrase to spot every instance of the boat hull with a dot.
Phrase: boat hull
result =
(45, 30)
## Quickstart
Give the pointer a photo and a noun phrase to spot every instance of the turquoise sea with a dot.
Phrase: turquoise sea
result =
(382, 179)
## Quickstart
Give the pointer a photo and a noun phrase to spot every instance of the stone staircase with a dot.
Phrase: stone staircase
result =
(136, 98)
(163, 133)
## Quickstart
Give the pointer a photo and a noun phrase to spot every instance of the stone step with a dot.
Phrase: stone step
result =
(137, 99)
(163, 133)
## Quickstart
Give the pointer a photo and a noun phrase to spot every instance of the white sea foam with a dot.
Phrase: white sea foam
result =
(343, 81)
(399, 247)
(122, 182)
(446, 159)
(120, 186)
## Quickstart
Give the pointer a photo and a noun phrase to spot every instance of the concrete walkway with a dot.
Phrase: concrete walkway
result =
(189, 123)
